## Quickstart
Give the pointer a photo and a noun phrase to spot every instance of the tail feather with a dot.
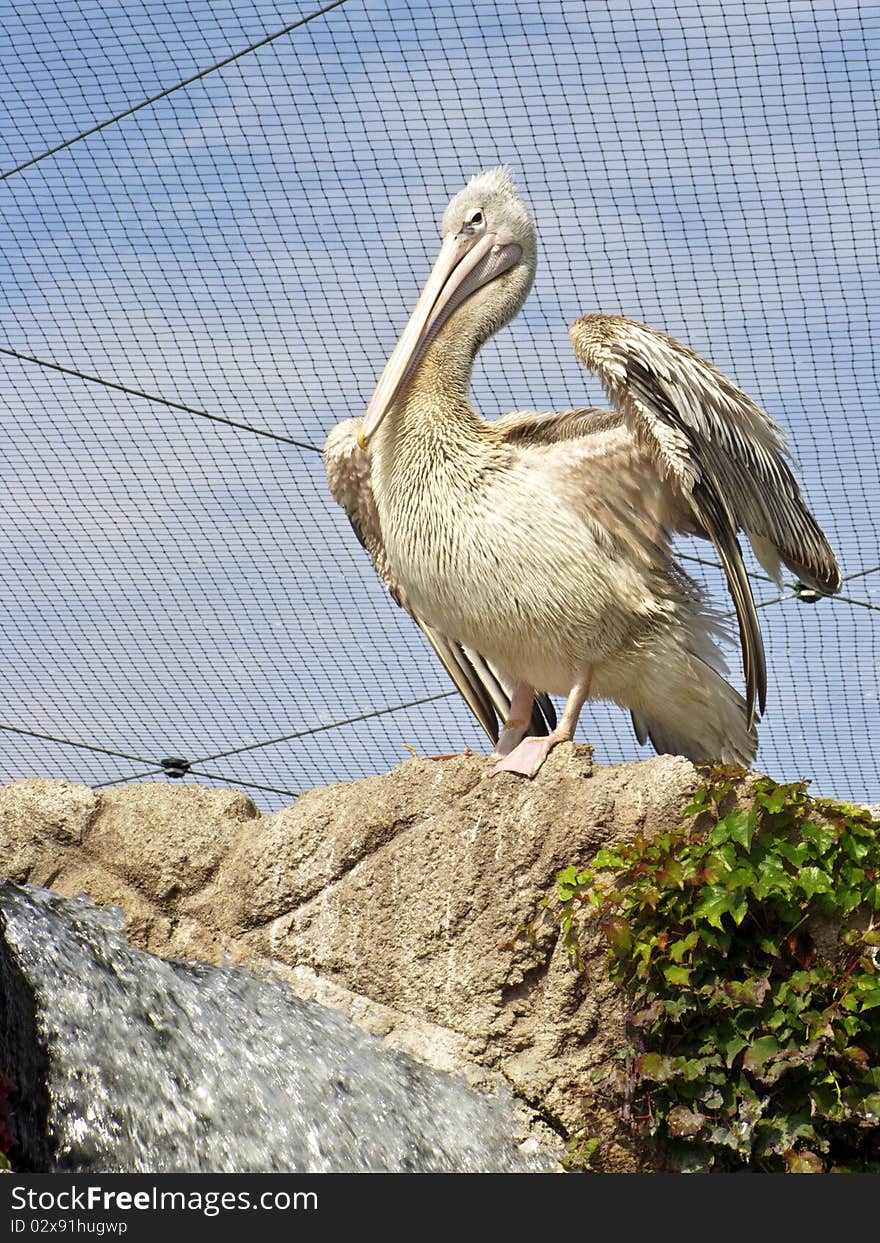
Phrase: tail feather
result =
(676, 695)
(707, 725)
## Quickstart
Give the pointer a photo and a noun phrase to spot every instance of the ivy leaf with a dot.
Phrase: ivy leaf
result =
(741, 826)
(699, 803)
(649, 1015)
(732, 1047)
(678, 949)
(619, 935)
(870, 1108)
(683, 1123)
(794, 853)
(759, 1053)
(749, 993)
(823, 836)
(681, 1004)
(788, 1059)
(567, 883)
(715, 902)
(826, 1101)
(656, 1066)
(740, 877)
(739, 909)
(855, 846)
(772, 877)
(778, 1134)
(681, 975)
(812, 880)
(670, 874)
(803, 1163)
(726, 1136)
(776, 801)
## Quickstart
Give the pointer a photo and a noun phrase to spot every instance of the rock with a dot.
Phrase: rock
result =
(36, 818)
(125, 1062)
(397, 900)
(167, 841)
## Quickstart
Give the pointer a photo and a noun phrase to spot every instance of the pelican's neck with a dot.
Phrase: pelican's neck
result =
(432, 437)
(435, 407)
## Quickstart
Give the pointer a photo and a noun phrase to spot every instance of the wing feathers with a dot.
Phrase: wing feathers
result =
(472, 689)
(721, 454)
(695, 418)
(751, 641)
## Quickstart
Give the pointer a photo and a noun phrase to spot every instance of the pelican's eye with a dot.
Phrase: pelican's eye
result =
(475, 222)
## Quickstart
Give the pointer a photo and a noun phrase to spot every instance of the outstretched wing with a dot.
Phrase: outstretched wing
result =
(721, 454)
(481, 686)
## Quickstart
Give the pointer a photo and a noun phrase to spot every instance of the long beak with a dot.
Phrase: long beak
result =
(462, 266)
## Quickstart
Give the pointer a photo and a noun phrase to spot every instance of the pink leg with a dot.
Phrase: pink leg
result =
(517, 722)
(527, 758)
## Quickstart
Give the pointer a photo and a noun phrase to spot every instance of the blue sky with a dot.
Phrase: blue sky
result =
(251, 245)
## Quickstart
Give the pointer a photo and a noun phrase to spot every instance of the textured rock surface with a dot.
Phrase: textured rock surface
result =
(394, 899)
(124, 1061)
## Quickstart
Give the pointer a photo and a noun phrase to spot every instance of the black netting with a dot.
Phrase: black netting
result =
(248, 246)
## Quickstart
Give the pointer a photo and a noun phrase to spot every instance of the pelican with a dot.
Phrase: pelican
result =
(535, 550)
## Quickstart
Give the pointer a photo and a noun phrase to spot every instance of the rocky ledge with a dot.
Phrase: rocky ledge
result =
(395, 900)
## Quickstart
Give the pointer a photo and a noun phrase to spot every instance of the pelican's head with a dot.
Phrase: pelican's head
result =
(487, 262)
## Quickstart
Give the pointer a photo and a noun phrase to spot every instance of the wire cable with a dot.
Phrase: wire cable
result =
(66, 742)
(320, 729)
(169, 90)
(172, 405)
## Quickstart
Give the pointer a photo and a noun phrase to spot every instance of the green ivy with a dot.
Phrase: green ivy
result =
(749, 1048)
